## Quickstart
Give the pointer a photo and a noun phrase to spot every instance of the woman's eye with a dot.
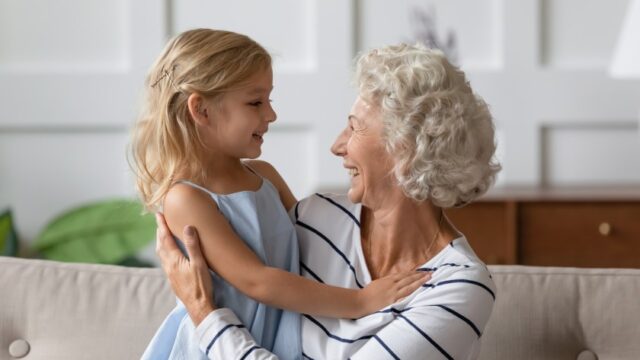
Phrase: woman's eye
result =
(255, 103)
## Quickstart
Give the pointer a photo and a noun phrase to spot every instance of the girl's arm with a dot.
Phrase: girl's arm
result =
(190, 281)
(231, 258)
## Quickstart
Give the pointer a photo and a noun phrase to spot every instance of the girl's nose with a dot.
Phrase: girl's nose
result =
(271, 114)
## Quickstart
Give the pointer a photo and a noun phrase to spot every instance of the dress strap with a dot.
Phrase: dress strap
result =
(264, 179)
(251, 169)
(213, 195)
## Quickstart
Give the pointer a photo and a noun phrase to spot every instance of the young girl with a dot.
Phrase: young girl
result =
(207, 107)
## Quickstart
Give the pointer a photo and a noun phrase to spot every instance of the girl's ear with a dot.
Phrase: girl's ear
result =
(198, 109)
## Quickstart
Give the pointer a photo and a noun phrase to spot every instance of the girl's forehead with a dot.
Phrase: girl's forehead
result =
(259, 83)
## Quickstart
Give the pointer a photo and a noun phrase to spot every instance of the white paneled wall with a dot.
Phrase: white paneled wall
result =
(71, 74)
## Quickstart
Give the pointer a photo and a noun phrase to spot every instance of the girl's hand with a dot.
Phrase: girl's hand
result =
(390, 289)
(189, 278)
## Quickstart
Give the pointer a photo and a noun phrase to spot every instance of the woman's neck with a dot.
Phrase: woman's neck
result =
(402, 234)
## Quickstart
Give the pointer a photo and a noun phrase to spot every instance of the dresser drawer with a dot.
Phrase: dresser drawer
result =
(488, 228)
(580, 234)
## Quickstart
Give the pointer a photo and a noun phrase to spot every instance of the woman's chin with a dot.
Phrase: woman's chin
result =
(354, 196)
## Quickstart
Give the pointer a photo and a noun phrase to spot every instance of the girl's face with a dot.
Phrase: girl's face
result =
(241, 117)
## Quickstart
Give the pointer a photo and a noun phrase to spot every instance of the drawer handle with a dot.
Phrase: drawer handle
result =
(604, 229)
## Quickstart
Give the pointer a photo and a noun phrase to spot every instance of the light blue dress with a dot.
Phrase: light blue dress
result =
(258, 218)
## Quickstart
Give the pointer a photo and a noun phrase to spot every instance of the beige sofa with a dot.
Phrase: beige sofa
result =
(51, 310)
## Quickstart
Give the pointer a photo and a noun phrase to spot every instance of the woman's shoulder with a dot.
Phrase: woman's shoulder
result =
(459, 260)
(458, 272)
(327, 201)
(327, 205)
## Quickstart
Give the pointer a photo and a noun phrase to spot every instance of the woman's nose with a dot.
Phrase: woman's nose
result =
(339, 147)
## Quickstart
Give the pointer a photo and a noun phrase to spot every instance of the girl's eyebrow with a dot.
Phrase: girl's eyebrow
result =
(259, 90)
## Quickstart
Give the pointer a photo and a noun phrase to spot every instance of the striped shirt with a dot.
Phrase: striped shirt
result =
(444, 319)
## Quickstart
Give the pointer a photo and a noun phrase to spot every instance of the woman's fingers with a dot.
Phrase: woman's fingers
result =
(192, 243)
(166, 247)
(189, 278)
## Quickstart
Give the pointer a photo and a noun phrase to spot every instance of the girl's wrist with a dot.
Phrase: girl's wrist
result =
(361, 304)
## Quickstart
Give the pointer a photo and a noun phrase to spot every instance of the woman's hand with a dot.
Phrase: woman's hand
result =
(390, 289)
(189, 278)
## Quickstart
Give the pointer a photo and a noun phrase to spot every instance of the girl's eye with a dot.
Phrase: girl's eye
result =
(255, 103)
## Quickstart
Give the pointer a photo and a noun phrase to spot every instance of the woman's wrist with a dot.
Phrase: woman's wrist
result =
(200, 312)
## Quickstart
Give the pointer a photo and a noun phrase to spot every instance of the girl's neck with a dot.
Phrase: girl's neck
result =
(225, 175)
(219, 167)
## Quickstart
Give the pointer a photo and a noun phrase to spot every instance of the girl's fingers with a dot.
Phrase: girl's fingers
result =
(411, 277)
(411, 284)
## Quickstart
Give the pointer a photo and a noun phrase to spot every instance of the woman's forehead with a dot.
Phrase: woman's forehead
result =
(363, 110)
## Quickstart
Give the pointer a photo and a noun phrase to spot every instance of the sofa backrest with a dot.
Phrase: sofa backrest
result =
(83, 311)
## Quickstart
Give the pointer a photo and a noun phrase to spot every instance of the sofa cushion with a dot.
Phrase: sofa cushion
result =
(80, 311)
(557, 313)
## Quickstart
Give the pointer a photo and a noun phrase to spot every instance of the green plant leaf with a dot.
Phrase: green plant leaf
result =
(135, 262)
(104, 232)
(8, 237)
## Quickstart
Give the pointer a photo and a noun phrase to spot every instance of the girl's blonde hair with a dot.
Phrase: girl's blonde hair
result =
(165, 141)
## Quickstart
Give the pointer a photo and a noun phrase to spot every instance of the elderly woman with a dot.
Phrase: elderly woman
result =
(417, 141)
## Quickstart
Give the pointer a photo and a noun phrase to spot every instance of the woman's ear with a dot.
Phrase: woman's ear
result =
(198, 109)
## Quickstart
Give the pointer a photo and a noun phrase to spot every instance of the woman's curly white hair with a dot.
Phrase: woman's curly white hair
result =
(439, 132)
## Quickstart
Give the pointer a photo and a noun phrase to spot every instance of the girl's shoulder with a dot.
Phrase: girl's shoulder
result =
(185, 195)
(263, 169)
(267, 171)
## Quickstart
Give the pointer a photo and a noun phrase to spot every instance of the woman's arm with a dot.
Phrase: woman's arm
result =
(233, 260)
(444, 321)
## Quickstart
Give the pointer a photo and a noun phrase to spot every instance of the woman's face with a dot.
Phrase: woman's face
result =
(364, 155)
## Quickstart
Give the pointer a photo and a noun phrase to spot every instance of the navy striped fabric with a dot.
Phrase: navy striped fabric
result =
(222, 331)
(443, 319)
(320, 221)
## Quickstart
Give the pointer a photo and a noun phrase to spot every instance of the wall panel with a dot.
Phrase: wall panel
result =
(590, 153)
(477, 30)
(580, 34)
(44, 173)
(95, 41)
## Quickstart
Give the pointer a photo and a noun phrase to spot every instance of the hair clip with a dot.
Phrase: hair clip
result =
(167, 75)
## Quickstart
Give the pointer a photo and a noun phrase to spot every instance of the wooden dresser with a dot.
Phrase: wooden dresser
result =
(576, 226)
